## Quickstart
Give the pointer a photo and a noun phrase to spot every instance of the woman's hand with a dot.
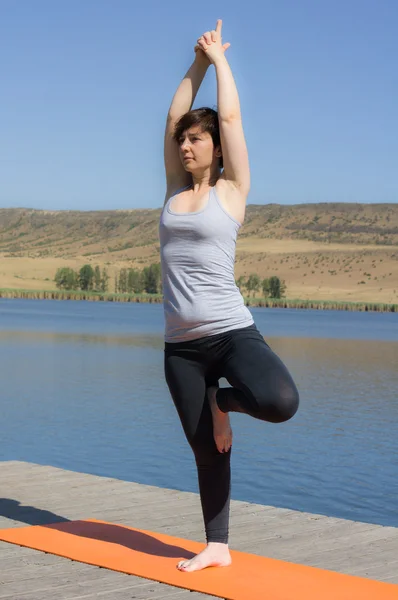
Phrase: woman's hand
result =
(211, 44)
(200, 56)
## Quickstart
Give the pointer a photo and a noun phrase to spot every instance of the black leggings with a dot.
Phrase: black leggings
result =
(262, 388)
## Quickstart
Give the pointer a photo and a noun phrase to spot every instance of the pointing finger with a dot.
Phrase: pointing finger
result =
(219, 25)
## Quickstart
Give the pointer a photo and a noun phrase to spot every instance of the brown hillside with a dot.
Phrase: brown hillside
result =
(331, 250)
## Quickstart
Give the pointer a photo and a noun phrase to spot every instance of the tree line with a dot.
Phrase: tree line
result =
(271, 287)
(130, 281)
(149, 280)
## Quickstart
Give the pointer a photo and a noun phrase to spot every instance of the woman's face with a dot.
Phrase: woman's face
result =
(197, 150)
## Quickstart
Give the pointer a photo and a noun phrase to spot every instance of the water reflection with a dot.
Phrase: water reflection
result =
(35, 337)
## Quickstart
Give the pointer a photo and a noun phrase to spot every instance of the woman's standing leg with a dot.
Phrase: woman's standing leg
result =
(186, 377)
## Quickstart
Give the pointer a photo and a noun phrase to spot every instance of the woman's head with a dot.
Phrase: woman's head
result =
(197, 133)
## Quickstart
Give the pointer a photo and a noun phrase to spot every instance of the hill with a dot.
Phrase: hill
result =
(323, 251)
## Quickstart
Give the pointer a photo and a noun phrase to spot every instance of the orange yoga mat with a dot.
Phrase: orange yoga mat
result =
(154, 556)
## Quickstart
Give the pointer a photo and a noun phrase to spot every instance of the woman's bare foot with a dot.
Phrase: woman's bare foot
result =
(214, 555)
(221, 426)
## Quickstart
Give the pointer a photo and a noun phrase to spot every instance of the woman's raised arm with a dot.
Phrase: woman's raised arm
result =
(176, 175)
(233, 144)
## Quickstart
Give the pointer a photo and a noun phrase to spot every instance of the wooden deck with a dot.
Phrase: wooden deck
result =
(34, 494)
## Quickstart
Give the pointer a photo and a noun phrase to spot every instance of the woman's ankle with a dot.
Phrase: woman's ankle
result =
(217, 544)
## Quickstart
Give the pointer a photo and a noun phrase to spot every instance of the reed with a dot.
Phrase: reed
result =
(321, 304)
(158, 298)
(80, 295)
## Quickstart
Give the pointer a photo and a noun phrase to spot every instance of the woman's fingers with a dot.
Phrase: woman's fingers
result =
(207, 37)
(202, 44)
(215, 34)
(212, 37)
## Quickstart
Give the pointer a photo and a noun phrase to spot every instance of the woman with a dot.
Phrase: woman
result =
(209, 331)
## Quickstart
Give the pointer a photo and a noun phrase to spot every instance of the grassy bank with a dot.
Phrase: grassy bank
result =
(158, 298)
(80, 295)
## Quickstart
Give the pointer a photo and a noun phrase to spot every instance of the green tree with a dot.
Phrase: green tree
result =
(151, 277)
(86, 277)
(134, 282)
(265, 287)
(277, 288)
(241, 282)
(104, 280)
(66, 279)
(123, 281)
(253, 283)
(97, 279)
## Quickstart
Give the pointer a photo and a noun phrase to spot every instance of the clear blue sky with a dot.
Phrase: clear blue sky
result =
(85, 86)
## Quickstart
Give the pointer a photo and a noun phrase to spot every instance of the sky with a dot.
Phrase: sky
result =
(85, 86)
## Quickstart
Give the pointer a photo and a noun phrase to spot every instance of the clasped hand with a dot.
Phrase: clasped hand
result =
(210, 44)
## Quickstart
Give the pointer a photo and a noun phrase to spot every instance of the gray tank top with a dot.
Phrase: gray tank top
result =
(197, 253)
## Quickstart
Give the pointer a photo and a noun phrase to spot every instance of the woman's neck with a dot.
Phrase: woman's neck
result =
(204, 182)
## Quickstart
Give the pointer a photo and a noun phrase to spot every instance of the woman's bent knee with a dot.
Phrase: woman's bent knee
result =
(288, 406)
(280, 408)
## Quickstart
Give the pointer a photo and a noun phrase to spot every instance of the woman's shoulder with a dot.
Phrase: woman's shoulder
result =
(173, 190)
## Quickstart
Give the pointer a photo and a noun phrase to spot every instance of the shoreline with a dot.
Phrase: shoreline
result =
(158, 299)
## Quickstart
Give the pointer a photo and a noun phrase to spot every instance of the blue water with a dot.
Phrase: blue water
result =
(83, 389)
(126, 318)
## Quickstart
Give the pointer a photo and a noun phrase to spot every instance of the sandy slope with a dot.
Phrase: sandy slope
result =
(311, 270)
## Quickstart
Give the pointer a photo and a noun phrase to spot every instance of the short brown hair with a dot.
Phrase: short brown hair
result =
(206, 118)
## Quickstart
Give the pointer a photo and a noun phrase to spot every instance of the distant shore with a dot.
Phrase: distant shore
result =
(158, 299)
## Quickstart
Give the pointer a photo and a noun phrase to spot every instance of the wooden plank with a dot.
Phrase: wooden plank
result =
(31, 492)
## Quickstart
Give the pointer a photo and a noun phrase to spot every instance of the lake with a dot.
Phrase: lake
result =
(83, 389)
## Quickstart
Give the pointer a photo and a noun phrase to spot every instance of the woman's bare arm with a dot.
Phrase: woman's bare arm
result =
(234, 150)
(182, 102)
